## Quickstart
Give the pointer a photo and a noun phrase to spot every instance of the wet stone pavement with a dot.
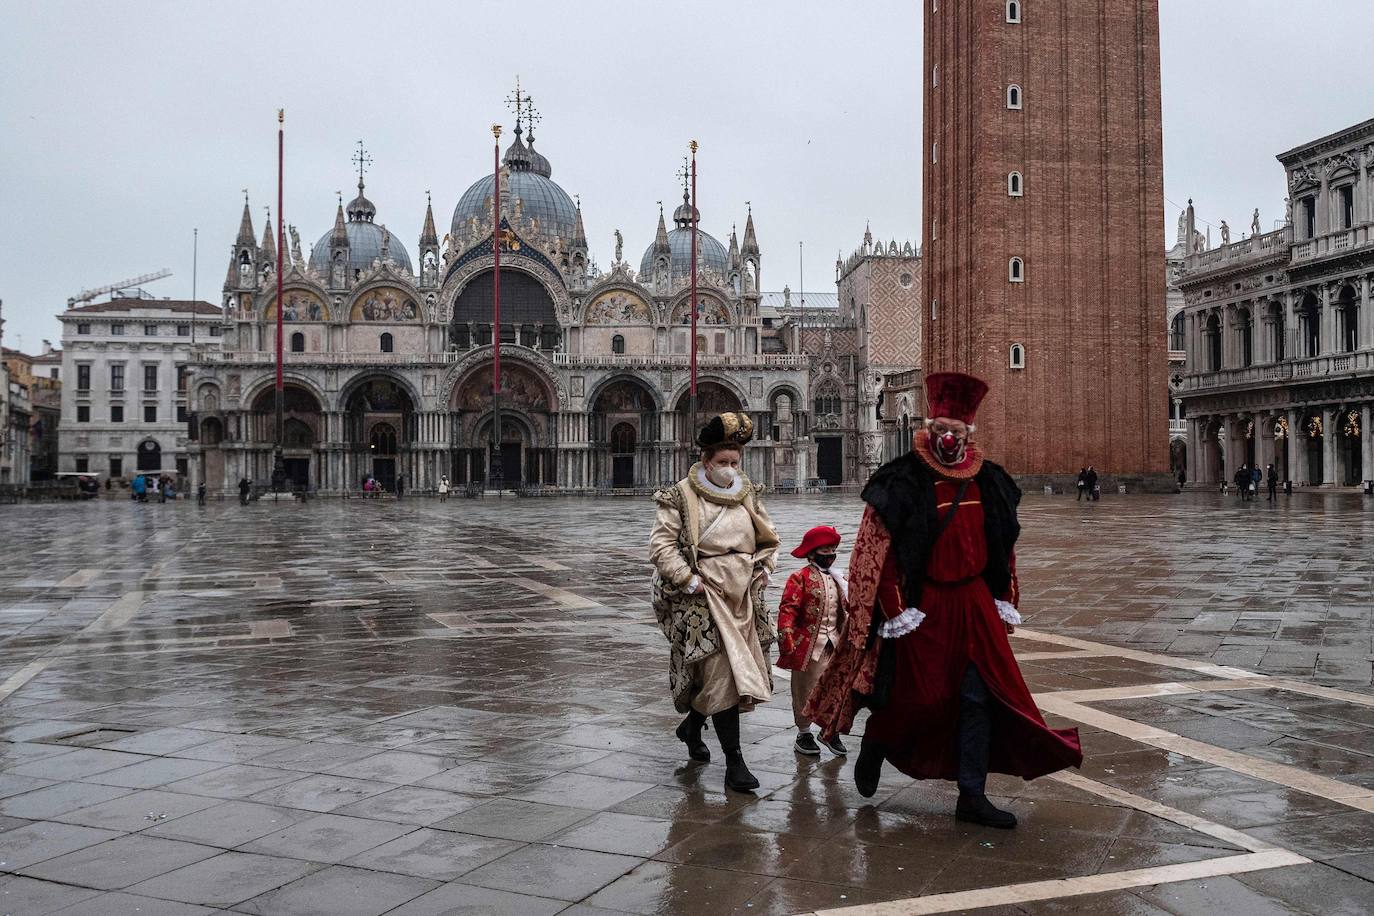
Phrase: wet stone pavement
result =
(419, 709)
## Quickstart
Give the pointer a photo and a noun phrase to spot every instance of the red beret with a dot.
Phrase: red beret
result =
(954, 395)
(816, 538)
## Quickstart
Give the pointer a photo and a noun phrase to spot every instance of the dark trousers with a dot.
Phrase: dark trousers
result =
(975, 732)
(1273, 489)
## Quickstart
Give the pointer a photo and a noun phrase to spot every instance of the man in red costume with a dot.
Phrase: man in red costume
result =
(932, 599)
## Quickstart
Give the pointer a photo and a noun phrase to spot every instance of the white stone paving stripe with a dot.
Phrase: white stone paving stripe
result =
(1163, 661)
(1011, 894)
(118, 614)
(23, 676)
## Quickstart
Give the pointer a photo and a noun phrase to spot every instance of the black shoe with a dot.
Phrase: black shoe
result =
(835, 745)
(976, 809)
(737, 775)
(868, 769)
(806, 744)
(689, 733)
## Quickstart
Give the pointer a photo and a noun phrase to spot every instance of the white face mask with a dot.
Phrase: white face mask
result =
(723, 477)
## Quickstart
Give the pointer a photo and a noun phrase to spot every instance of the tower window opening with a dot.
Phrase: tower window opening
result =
(1016, 270)
(1014, 97)
(1013, 11)
(1014, 184)
(1018, 356)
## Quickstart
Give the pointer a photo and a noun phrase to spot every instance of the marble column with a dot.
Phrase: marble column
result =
(1264, 446)
(1367, 441)
(1331, 436)
(1297, 448)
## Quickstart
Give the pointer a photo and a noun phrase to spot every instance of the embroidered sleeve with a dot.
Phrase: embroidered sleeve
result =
(789, 612)
(767, 558)
(890, 590)
(1013, 595)
(664, 551)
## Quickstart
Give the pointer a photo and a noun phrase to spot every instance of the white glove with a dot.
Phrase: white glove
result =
(693, 585)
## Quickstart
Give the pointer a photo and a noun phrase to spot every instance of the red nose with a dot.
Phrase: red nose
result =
(948, 440)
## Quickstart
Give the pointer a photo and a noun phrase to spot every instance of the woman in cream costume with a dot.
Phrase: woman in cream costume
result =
(713, 548)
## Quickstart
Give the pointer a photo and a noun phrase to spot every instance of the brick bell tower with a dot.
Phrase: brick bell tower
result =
(1043, 236)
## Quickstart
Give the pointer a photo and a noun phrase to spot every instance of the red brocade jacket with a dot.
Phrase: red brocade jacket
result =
(799, 615)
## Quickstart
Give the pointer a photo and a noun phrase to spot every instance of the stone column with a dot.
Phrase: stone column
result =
(1330, 337)
(1264, 444)
(1297, 450)
(1367, 441)
(1195, 464)
(1331, 433)
(1366, 341)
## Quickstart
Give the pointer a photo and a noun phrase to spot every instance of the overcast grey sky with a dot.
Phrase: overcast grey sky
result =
(127, 124)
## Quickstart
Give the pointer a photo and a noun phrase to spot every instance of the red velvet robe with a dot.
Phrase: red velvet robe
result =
(918, 727)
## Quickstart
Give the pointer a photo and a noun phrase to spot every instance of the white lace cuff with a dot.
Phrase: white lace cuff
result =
(902, 624)
(1007, 611)
(693, 585)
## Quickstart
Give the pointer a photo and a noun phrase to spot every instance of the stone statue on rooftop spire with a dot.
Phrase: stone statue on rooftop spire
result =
(619, 246)
(1288, 211)
(1255, 223)
(296, 258)
(1225, 233)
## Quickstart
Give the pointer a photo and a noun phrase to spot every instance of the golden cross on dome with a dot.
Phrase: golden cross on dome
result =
(362, 160)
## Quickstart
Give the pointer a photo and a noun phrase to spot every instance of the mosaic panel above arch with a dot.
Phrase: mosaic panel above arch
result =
(710, 311)
(618, 307)
(301, 305)
(386, 304)
(521, 387)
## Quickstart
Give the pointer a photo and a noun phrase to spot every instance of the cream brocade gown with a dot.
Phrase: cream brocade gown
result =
(728, 560)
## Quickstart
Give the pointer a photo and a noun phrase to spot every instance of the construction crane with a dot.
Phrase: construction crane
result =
(86, 295)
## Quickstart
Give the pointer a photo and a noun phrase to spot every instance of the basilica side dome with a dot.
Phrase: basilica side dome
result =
(365, 237)
(710, 252)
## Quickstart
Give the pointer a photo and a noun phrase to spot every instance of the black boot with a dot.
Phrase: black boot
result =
(737, 775)
(868, 768)
(976, 809)
(689, 733)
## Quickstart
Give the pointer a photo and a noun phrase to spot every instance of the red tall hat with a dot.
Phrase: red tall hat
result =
(954, 395)
(816, 538)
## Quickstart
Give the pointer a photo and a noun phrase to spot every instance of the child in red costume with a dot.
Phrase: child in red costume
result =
(810, 619)
(933, 597)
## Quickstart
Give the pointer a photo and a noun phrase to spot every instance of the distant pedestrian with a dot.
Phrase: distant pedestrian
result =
(443, 488)
(1273, 480)
(367, 487)
(400, 485)
(1242, 481)
(244, 489)
(139, 489)
(200, 493)
(1256, 477)
(1182, 479)
(1093, 492)
(1082, 482)
(164, 483)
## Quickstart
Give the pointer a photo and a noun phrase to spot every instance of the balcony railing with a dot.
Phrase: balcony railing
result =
(1254, 248)
(1342, 241)
(1307, 368)
(682, 360)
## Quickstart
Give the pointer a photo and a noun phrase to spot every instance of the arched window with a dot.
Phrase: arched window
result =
(1018, 356)
(388, 343)
(1014, 96)
(298, 342)
(1016, 270)
(1013, 11)
(935, 151)
(1014, 184)
(1176, 341)
(617, 344)
(828, 402)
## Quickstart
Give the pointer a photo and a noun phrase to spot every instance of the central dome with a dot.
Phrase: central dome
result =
(365, 239)
(529, 182)
(711, 253)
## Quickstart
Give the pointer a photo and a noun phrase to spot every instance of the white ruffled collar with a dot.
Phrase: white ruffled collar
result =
(712, 487)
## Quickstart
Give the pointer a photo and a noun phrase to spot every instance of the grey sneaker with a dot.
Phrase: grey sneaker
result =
(806, 744)
(836, 746)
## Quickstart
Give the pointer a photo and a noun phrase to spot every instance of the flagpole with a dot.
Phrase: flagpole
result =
(692, 300)
(195, 266)
(801, 290)
(278, 464)
(497, 468)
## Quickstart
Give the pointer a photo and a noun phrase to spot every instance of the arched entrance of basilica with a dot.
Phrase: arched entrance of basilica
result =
(712, 398)
(529, 445)
(623, 425)
(379, 427)
(301, 428)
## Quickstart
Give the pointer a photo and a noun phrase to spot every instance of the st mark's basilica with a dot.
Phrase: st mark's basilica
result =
(388, 361)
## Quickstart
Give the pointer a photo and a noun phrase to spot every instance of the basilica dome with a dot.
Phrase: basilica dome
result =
(365, 239)
(711, 253)
(531, 183)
